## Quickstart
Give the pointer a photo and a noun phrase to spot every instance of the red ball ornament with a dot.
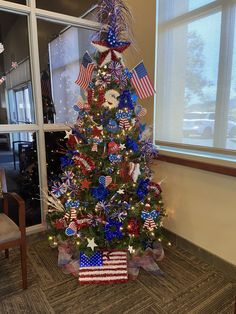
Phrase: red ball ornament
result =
(133, 227)
(124, 172)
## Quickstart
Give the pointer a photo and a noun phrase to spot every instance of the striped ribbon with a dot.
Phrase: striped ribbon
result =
(124, 123)
(72, 214)
(149, 224)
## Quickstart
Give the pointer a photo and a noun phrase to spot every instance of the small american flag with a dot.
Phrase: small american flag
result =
(103, 267)
(141, 81)
(86, 71)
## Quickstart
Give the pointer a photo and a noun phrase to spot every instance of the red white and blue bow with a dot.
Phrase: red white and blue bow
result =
(58, 189)
(67, 176)
(149, 219)
(108, 53)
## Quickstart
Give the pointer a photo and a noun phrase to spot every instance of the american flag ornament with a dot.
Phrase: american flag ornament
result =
(103, 267)
(140, 111)
(141, 82)
(86, 71)
(82, 105)
(96, 141)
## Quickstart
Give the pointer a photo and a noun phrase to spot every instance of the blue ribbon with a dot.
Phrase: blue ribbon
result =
(123, 115)
(72, 204)
(115, 158)
(126, 100)
(142, 189)
(100, 193)
(130, 144)
(153, 214)
(112, 230)
(66, 161)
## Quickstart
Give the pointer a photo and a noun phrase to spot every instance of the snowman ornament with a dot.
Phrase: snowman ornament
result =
(111, 99)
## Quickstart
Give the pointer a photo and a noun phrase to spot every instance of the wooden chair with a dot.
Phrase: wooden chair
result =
(10, 234)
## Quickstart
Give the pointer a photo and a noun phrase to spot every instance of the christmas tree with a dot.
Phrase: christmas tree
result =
(105, 198)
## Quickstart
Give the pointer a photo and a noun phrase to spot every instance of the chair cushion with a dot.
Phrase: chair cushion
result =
(8, 229)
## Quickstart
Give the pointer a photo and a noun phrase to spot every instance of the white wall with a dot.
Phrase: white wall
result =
(201, 205)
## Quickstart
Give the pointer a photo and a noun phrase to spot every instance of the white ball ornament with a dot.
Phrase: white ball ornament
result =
(111, 99)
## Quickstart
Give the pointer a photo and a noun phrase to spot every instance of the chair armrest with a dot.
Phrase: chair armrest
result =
(21, 208)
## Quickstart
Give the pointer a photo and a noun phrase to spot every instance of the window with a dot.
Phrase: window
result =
(18, 157)
(196, 76)
(16, 99)
(37, 91)
(61, 49)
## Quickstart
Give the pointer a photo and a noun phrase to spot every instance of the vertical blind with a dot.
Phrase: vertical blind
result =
(196, 74)
(19, 76)
(65, 54)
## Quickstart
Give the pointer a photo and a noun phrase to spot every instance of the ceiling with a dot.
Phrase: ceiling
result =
(70, 7)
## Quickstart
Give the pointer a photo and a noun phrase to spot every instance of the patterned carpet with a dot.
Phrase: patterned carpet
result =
(188, 286)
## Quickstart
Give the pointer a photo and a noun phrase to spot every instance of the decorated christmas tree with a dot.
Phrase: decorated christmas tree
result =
(105, 199)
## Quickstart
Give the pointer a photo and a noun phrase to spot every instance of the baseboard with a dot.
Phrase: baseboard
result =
(227, 268)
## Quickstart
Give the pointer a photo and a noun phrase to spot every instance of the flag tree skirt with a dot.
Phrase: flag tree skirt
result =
(105, 204)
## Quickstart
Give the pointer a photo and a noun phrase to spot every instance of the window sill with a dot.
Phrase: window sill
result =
(225, 166)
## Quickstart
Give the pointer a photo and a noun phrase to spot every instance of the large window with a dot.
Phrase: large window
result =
(196, 75)
(40, 53)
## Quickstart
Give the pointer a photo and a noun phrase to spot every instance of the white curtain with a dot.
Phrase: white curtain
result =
(196, 73)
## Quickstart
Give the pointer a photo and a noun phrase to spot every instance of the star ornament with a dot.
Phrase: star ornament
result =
(131, 249)
(91, 244)
(122, 146)
(68, 134)
(121, 191)
(108, 53)
(97, 131)
(85, 184)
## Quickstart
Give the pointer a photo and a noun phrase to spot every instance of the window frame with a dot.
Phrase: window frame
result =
(193, 155)
(33, 14)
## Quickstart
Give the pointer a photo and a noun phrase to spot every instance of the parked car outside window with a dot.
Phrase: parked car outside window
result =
(202, 124)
